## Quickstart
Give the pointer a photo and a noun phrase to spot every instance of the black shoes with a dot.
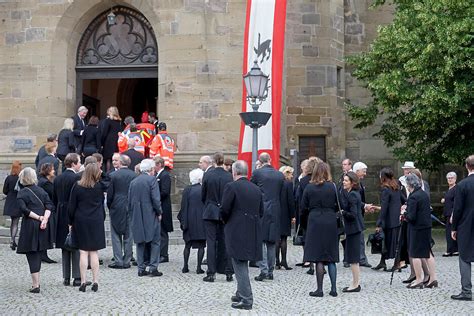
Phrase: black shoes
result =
(416, 286)
(115, 266)
(253, 264)
(185, 270)
(235, 299)
(286, 267)
(13, 245)
(67, 282)
(209, 278)
(48, 260)
(380, 266)
(156, 273)
(35, 290)
(76, 282)
(142, 273)
(241, 305)
(164, 259)
(432, 284)
(365, 264)
(261, 277)
(462, 297)
(346, 265)
(447, 254)
(229, 278)
(95, 287)
(333, 293)
(316, 294)
(199, 271)
(354, 290)
(101, 262)
(82, 288)
(409, 280)
(310, 271)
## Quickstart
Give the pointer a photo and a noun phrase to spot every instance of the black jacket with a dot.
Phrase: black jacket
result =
(135, 157)
(213, 184)
(418, 213)
(190, 214)
(90, 140)
(164, 183)
(288, 207)
(463, 218)
(449, 202)
(242, 208)
(117, 199)
(11, 207)
(270, 182)
(79, 126)
(390, 203)
(66, 142)
(353, 220)
(41, 154)
(49, 159)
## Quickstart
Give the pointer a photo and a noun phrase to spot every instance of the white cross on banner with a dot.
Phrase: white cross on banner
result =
(264, 41)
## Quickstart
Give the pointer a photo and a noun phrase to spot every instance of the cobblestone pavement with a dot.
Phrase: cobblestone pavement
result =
(121, 291)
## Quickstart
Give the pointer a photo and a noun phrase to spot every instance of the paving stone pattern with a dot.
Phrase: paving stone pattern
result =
(121, 291)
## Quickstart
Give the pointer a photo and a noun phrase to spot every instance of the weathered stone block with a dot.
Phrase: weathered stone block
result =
(18, 15)
(316, 75)
(35, 34)
(174, 28)
(220, 94)
(308, 7)
(354, 29)
(300, 38)
(310, 51)
(312, 90)
(52, 1)
(312, 119)
(311, 18)
(294, 110)
(211, 5)
(315, 111)
(14, 38)
(205, 110)
(16, 93)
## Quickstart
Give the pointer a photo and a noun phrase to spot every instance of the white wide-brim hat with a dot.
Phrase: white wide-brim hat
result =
(409, 165)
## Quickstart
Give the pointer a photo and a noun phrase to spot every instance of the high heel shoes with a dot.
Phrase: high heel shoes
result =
(13, 245)
(416, 286)
(285, 265)
(409, 280)
(380, 266)
(95, 287)
(35, 289)
(432, 284)
(82, 288)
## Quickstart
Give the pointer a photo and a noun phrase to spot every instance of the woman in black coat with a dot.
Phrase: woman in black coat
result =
(389, 217)
(66, 142)
(418, 216)
(90, 138)
(191, 222)
(319, 203)
(45, 181)
(86, 218)
(35, 236)
(110, 128)
(287, 217)
(448, 201)
(353, 227)
(11, 207)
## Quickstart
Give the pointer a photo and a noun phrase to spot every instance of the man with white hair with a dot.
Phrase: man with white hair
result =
(79, 125)
(360, 169)
(135, 156)
(205, 163)
(145, 211)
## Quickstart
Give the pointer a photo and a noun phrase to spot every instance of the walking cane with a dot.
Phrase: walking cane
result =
(397, 253)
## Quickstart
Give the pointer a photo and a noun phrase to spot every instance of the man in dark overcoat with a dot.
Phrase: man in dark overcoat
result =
(117, 202)
(241, 210)
(213, 185)
(164, 183)
(463, 229)
(62, 187)
(145, 212)
(270, 182)
(79, 125)
(135, 156)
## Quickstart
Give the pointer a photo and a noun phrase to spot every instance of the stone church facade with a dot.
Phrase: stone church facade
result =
(191, 75)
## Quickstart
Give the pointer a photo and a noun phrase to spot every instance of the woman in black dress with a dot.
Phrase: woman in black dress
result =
(66, 142)
(110, 128)
(86, 218)
(45, 181)
(11, 207)
(389, 217)
(319, 203)
(287, 217)
(35, 236)
(191, 222)
(90, 138)
(353, 226)
(448, 201)
(418, 216)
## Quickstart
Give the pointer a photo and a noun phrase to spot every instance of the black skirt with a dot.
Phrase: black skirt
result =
(419, 242)
(390, 240)
(196, 244)
(321, 240)
(352, 248)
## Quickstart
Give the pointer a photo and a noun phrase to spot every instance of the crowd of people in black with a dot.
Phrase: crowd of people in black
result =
(239, 221)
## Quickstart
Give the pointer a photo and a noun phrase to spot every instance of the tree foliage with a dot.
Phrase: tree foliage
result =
(419, 71)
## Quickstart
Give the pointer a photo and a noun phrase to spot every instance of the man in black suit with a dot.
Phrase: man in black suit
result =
(462, 229)
(242, 208)
(79, 125)
(213, 185)
(117, 201)
(135, 156)
(270, 182)
(164, 182)
(62, 187)
(205, 163)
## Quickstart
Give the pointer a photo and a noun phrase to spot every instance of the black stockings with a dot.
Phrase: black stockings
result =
(187, 252)
(281, 246)
(332, 271)
(14, 228)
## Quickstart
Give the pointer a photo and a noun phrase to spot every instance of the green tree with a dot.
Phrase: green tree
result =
(419, 71)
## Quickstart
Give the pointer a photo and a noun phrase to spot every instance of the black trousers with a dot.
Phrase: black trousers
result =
(211, 241)
(34, 261)
(451, 244)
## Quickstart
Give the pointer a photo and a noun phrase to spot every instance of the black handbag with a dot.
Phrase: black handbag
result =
(298, 240)
(376, 242)
(341, 229)
(69, 244)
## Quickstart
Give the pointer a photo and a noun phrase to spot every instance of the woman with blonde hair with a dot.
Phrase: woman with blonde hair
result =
(86, 220)
(35, 236)
(66, 142)
(109, 130)
(287, 217)
(11, 207)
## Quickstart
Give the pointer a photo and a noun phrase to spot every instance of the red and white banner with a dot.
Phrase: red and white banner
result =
(264, 41)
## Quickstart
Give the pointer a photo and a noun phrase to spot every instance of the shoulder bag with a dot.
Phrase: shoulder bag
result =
(341, 230)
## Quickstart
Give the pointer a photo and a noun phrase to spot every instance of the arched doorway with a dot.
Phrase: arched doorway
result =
(117, 64)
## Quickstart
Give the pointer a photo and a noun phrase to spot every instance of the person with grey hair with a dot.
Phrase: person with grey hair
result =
(448, 201)
(144, 207)
(66, 143)
(135, 156)
(241, 211)
(191, 222)
(117, 201)
(35, 236)
(79, 125)
(205, 163)
(270, 182)
(418, 216)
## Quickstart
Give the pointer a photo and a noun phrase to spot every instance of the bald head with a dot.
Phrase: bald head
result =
(205, 162)
(264, 158)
